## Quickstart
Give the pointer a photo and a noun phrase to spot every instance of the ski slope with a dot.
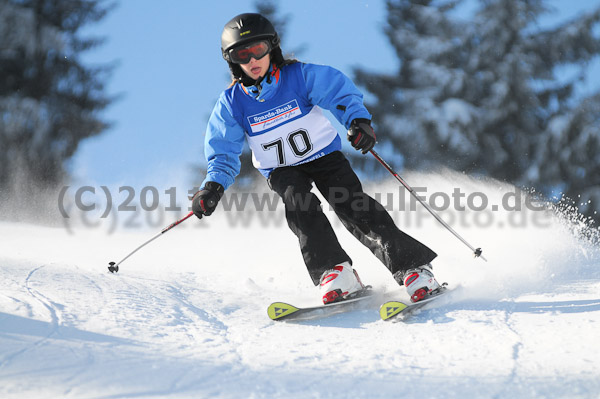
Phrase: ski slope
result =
(185, 317)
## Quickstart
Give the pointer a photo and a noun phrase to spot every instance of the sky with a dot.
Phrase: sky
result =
(169, 73)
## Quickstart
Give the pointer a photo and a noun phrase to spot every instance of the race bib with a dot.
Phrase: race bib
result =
(291, 142)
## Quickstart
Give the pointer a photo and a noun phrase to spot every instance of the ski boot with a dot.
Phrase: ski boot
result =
(419, 282)
(339, 283)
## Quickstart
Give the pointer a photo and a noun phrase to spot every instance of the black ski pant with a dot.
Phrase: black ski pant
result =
(363, 216)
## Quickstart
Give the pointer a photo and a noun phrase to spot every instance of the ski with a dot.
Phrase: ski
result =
(281, 311)
(397, 310)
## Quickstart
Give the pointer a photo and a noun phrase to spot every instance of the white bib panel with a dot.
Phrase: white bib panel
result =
(292, 142)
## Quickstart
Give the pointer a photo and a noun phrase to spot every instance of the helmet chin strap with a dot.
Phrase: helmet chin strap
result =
(248, 81)
(244, 79)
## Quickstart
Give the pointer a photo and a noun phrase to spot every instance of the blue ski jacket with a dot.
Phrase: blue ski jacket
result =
(281, 120)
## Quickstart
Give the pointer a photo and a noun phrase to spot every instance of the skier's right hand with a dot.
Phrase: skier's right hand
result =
(205, 201)
(361, 135)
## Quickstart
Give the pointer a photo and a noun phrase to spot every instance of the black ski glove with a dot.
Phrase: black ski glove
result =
(205, 201)
(361, 135)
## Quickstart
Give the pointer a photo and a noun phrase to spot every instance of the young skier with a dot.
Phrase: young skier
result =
(275, 104)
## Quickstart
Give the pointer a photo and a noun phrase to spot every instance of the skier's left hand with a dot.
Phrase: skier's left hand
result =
(361, 135)
(205, 201)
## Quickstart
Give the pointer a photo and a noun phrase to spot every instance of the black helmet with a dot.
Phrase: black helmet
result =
(246, 28)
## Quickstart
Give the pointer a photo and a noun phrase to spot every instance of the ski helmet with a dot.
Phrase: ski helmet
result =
(246, 28)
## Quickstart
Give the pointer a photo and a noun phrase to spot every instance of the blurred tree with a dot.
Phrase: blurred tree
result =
(49, 100)
(268, 9)
(485, 95)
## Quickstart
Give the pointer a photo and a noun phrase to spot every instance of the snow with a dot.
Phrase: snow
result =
(185, 317)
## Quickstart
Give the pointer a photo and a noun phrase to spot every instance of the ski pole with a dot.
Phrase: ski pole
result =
(114, 267)
(476, 251)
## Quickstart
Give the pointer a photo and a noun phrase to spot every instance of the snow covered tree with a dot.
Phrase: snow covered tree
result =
(410, 107)
(479, 94)
(49, 100)
(571, 155)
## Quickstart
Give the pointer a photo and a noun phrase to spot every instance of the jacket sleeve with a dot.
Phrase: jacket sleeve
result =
(223, 145)
(330, 89)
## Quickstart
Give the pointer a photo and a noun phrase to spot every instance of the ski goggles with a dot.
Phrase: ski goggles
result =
(243, 54)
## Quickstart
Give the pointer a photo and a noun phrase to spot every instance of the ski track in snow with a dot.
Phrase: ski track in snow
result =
(186, 316)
